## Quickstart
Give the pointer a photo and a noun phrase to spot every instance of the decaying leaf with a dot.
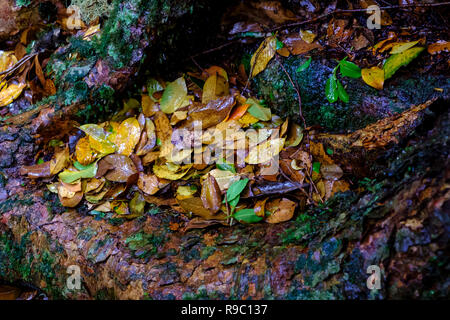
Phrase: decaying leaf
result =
(59, 161)
(374, 77)
(195, 206)
(127, 136)
(148, 183)
(37, 171)
(263, 55)
(211, 195)
(280, 210)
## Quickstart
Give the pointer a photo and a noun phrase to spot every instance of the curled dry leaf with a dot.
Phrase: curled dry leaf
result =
(280, 210)
(211, 195)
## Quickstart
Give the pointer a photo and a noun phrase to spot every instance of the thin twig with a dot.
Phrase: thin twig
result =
(340, 11)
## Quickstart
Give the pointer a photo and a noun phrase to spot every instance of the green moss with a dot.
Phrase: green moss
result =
(144, 245)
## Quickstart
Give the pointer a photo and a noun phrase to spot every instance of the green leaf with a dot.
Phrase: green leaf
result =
(349, 69)
(342, 93)
(247, 216)
(225, 166)
(305, 65)
(396, 61)
(331, 89)
(153, 86)
(316, 167)
(329, 151)
(233, 203)
(174, 96)
(279, 44)
(258, 111)
(70, 176)
(235, 189)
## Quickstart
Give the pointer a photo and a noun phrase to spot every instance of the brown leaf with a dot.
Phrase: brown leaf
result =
(281, 210)
(199, 223)
(211, 195)
(121, 167)
(195, 206)
(59, 161)
(37, 171)
(211, 114)
(148, 183)
(297, 46)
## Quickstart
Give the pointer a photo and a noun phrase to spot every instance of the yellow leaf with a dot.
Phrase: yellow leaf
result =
(224, 178)
(374, 77)
(185, 192)
(263, 55)
(127, 137)
(264, 152)
(7, 60)
(164, 172)
(248, 119)
(59, 161)
(91, 31)
(174, 96)
(402, 46)
(98, 139)
(10, 93)
(83, 152)
(215, 86)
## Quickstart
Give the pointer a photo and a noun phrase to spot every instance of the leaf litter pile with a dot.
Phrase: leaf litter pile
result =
(242, 163)
(204, 148)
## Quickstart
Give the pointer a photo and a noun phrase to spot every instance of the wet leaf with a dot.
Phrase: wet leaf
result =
(374, 77)
(238, 112)
(71, 175)
(184, 192)
(281, 210)
(98, 139)
(10, 92)
(83, 151)
(215, 87)
(263, 55)
(396, 61)
(153, 86)
(127, 137)
(265, 151)
(258, 111)
(37, 171)
(137, 204)
(224, 178)
(247, 216)
(122, 168)
(304, 65)
(163, 172)
(294, 136)
(235, 190)
(331, 91)
(59, 161)
(195, 206)
(259, 208)
(438, 47)
(342, 93)
(211, 195)
(331, 171)
(349, 69)
(403, 46)
(149, 107)
(148, 183)
(174, 96)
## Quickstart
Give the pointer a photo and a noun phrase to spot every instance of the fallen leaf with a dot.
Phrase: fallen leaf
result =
(438, 47)
(83, 152)
(259, 207)
(98, 139)
(374, 77)
(127, 137)
(399, 47)
(122, 168)
(247, 216)
(148, 183)
(37, 171)
(72, 174)
(195, 206)
(215, 87)
(224, 178)
(210, 194)
(137, 204)
(184, 192)
(59, 161)
(263, 55)
(163, 172)
(258, 111)
(10, 92)
(394, 62)
(281, 210)
(174, 96)
(265, 151)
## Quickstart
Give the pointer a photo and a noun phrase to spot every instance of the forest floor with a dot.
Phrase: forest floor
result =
(286, 153)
